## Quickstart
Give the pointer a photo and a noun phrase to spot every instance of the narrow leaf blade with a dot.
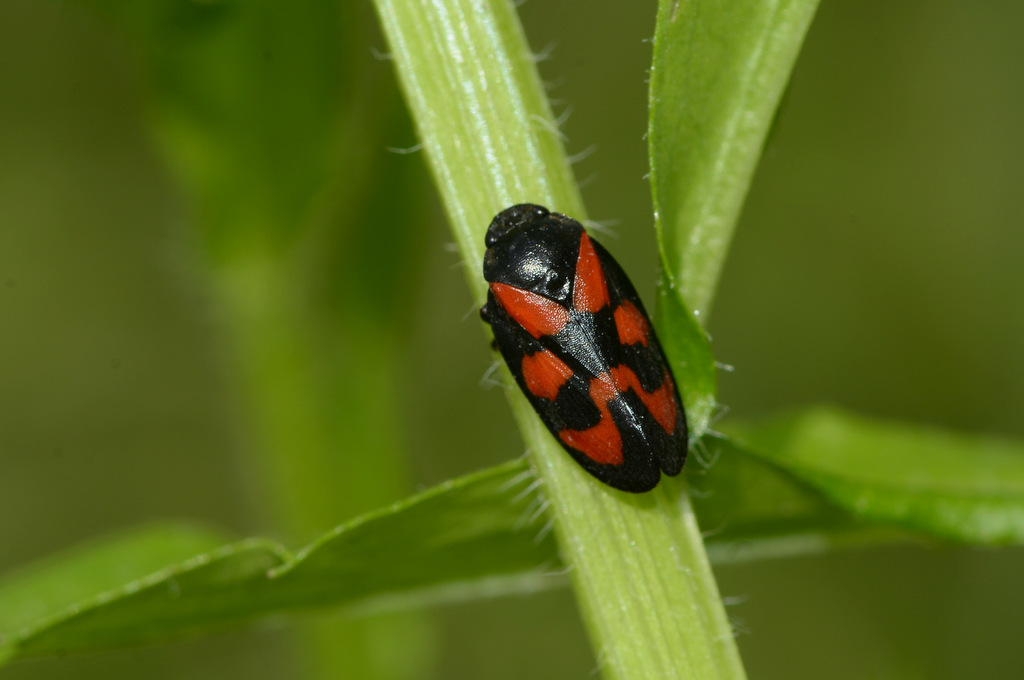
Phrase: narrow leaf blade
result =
(772, 492)
(50, 585)
(468, 537)
(689, 352)
(953, 486)
(718, 73)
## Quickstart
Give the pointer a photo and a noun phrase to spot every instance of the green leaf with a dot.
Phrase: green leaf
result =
(689, 352)
(718, 72)
(50, 585)
(955, 486)
(469, 537)
(779, 489)
(753, 510)
(473, 537)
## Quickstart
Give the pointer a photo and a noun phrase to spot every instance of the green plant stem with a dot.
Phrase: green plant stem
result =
(296, 381)
(270, 118)
(638, 564)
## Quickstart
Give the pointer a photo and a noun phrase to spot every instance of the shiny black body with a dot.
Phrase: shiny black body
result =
(535, 250)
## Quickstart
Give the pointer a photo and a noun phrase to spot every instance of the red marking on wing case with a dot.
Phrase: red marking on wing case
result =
(544, 374)
(538, 315)
(589, 290)
(602, 443)
(631, 324)
(661, 402)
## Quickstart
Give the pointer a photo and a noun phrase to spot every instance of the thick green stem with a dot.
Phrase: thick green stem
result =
(638, 564)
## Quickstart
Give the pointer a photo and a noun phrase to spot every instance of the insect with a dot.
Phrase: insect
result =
(575, 335)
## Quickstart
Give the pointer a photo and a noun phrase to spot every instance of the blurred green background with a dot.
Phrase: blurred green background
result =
(877, 266)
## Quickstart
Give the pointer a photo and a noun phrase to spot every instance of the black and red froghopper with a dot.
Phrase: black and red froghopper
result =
(575, 335)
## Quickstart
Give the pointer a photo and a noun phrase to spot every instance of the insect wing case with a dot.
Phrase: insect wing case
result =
(575, 335)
